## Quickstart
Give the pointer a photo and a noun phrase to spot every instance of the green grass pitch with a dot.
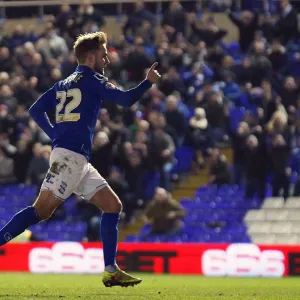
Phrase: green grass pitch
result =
(86, 287)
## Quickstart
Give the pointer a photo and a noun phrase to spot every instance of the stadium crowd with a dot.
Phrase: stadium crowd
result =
(210, 94)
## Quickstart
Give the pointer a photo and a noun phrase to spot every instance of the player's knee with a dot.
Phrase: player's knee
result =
(118, 206)
(114, 206)
(107, 200)
(44, 213)
(45, 205)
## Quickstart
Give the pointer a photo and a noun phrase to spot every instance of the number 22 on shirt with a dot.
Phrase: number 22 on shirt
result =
(68, 116)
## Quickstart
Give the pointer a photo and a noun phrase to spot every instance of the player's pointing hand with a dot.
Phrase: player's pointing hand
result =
(152, 74)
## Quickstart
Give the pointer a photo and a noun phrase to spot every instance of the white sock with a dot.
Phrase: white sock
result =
(111, 268)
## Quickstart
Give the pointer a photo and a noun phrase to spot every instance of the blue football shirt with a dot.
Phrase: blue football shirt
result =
(77, 101)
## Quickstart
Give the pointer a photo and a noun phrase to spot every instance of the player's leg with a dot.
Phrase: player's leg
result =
(42, 209)
(66, 169)
(95, 189)
(111, 205)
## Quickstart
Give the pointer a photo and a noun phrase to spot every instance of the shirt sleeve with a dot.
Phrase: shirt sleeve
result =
(109, 92)
(38, 111)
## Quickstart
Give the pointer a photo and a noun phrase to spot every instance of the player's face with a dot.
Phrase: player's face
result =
(101, 59)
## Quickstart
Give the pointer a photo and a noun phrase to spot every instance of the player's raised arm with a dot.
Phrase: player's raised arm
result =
(38, 111)
(129, 97)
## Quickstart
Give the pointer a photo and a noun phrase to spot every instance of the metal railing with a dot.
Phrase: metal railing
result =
(40, 4)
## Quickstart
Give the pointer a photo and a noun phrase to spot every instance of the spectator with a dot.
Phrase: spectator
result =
(87, 14)
(200, 135)
(64, 19)
(90, 214)
(281, 173)
(175, 118)
(22, 159)
(5, 60)
(139, 18)
(6, 169)
(278, 57)
(174, 20)
(289, 94)
(209, 33)
(215, 113)
(245, 72)
(261, 64)
(256, 166)
(247, 25)
(287, 25)
(39, 165)
(7, 98)
(219, 170)
(164, 214)
(161, 155)
(52, 45)
(294, 166)
(120, 186)
(137, 61)
(266, 25)
(17, 38)
(171, 82)
(102, 156)
(239, 139)
(8, 125)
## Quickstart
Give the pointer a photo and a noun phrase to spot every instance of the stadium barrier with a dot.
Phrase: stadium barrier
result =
(239, 260)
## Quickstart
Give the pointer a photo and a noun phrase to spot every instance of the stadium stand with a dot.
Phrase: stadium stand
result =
(215, 93)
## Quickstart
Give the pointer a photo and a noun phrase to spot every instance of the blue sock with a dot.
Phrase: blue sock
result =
(20, 221)
(109, 235)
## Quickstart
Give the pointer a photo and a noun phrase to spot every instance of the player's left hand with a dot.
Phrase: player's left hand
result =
(152, 74)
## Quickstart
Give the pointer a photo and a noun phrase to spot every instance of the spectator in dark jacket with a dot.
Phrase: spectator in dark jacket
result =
(161, 154)
(64, 18)
(209, 33)
(278, 57)
(219, 169)
(102, 156)
(6, 169)
(175, 118)
(136, 19)
(239, 139)
(287, 25)
(247, 26)
(294, 166)
(88, 13)
(39, 164)
(256, 167)
(215, 114)
(5, 60)
(174, 20)
(289, 94)
(281, 173)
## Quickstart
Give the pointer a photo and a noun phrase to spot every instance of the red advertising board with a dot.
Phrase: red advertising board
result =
(203, 259)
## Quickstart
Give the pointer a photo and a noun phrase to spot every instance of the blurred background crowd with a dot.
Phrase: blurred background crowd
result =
(212, 94)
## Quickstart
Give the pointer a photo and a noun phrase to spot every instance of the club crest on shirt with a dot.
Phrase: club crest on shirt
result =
(109, 85)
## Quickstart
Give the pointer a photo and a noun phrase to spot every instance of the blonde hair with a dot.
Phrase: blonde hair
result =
(88, 42)
(281, 114)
